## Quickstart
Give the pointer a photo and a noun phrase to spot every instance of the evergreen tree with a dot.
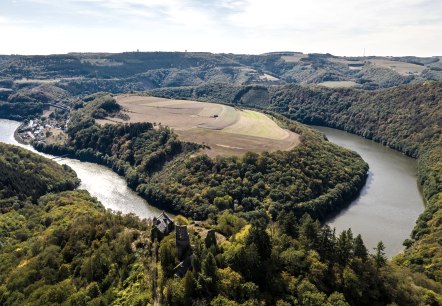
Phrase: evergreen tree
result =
(208, 278)
(359, 248)
(379, 256)
(345, 246)
(260, 238)
(288, 224)
(309, 232)
(188, 284)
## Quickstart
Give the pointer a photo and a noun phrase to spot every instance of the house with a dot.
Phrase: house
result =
(162, 226)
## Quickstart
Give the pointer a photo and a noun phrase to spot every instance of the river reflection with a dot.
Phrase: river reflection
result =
(389, 203)
(386, 209)
(101, 182)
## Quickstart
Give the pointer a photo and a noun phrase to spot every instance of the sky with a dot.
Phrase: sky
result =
(339, 27)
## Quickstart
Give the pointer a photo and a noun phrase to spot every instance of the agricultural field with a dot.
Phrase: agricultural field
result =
(351, 64)
(55, 136)
(268, 77)
(339, 84)
(293, 58)
(226, 130)
(402, 68)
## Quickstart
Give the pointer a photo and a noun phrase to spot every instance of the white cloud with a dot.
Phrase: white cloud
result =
(249, 26)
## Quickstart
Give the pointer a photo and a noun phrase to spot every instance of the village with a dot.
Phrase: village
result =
(49, 128)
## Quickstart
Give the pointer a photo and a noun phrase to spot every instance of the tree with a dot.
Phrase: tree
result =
(336, 299)
(189, 287)
(309, 231)
(259, 237)
(359, 248)
(167, 256)
(344, 247)
(208, 278)
(224, 202)
(288, 224)
(379, 256)
(230, 282)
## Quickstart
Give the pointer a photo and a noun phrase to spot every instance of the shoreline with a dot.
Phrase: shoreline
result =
(342, 207)
(17, 136)
(324, 213)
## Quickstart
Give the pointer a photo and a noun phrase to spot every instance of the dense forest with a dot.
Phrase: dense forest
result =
(30, 101)
(86, 73)
(59, 246)
(316, 177)
(65, 249)
(406, 118)
(27, 175)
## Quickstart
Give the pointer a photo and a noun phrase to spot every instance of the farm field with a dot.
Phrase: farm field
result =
(339, 84)
(402, 68)
(293, 58)
(226, 130)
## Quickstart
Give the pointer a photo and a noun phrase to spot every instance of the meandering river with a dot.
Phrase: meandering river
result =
(101, 182)
(386, 209)
(390, 202)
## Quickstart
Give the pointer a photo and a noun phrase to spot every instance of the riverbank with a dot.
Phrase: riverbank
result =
(104, 184)
(316, 177)
(385, 209)
(17, 136)
(360, 214)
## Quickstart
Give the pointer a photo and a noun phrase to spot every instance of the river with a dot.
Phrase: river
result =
(386, 209)
(389, 203)
(101, 182)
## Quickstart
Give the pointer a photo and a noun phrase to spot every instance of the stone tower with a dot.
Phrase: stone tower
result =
(182, 240)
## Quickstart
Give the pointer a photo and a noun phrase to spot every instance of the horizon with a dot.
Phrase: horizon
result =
(396, 28)
(186, 51)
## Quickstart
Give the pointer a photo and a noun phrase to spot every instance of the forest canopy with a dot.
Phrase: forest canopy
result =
(316, 177)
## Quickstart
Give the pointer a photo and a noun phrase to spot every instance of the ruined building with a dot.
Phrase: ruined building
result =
(182, 241)
(162, 226)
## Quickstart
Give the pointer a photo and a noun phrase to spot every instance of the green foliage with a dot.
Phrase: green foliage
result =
(20, 110)
(229, 224)
(406, 118)
(26, 174)
(316, 177)
(73, 251)
(77, 253)
(64, 248)
(31, 101)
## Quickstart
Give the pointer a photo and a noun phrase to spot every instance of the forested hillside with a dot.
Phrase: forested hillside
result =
(86, 73)
(25, 174)
(65, 249)
(60, 247)
(30, 101)
(406, 118)
(316, 177)
(28, 83)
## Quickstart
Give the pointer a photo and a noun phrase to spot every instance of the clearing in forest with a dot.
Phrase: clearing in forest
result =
(339, 84)
(402, 68)
(294, 58)
(226, 130)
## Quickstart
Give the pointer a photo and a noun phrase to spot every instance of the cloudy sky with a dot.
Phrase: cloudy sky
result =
(341, 27)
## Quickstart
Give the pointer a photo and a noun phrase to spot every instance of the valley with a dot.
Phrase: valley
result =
(215, 144)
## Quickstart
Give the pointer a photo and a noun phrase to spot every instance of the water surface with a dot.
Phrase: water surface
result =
(389, 203)
(101, 182)
(386, 209)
